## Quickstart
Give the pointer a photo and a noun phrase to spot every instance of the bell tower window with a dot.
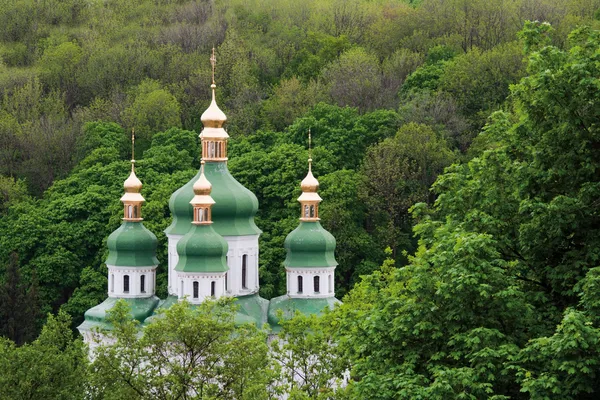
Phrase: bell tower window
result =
(244, 271)
(299, 284)
(143, 283)
(196, 286)
(126, 283)
(316, 282)
(213, 285)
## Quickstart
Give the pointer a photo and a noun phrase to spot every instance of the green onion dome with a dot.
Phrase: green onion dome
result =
(202, 250)
(234, 209)
(310, 246)
(132, 245)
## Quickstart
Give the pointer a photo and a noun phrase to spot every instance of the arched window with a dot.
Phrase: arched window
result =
(126, 283)
(213, 286)
(196, 286)
(205, 211)
(143, 283)
(112, 283)
(312, 211)
(306, 211)
(316, 281)
(199, 215)
(181, 289)
(129, 211)
(330, 285)
(211, 149)
(244, 271)
(299, 284)
(226, 279)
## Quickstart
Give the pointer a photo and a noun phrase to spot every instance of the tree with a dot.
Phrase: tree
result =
(196, 352)
(500, 300)
(54, 366)
(398, 173)
(355, 80)
(310, 366)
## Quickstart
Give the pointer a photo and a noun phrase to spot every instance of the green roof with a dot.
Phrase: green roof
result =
(310, 246)
(132, 245)
(202, 250)
(289, 306)
(234, 209)
(139, 309)
(252, 309)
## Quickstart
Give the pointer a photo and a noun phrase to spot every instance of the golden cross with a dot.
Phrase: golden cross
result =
(213, 62)
(309, 143)
(132, 147)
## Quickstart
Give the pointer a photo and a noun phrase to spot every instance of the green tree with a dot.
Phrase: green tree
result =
(355, 80)
(500, 300)
(153, 109)
(310, 366)
(54, 366)
(173, 358)
(398, 173)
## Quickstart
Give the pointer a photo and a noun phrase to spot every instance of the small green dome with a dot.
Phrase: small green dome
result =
(234, 209)
(310, 245)
(202, 250)
(132, 245)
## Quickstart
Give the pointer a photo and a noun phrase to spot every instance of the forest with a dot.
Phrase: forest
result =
(456, 142)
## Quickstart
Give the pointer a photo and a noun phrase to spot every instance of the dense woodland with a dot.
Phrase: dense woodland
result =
(457, 147)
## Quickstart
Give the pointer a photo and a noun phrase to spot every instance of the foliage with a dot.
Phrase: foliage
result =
(397, 174)
(54, 366)
(173, 358)
(500, 300)
(311, 368)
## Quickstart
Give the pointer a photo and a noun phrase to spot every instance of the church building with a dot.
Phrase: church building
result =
(213, 246)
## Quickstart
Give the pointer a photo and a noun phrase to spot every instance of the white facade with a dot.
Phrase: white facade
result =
(131, 282)
(196, 286)
(173, 259)
(242, 260)
(310, 283)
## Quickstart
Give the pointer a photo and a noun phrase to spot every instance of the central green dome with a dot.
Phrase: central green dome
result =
(202, 250)
(234, 209)
(132, 245)
(310, 246)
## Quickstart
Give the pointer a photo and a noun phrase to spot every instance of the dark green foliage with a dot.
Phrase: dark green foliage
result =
(500, 300)
(54, 366)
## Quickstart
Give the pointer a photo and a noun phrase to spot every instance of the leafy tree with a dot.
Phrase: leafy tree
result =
(174, 358)
(54, 366)
(19, 308)
(500, 300)
(152, 110)
(398, 173)
(355, 80)
(310, 366)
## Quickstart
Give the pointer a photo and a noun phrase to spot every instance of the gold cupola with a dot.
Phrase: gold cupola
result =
(309, 199)
(202, 201)
(132, 199)
(214, 137)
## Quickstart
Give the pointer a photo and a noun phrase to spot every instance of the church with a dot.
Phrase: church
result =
(213, 246)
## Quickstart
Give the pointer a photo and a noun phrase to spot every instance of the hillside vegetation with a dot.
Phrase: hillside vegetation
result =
(492, 294)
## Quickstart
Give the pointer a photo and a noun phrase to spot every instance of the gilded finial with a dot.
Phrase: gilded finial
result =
(213, 62)
(213, 117)
(132, 149)
(309, 152)
(202, 187)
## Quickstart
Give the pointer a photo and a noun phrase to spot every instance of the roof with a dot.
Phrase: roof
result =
(132, 245)
(234, 209)
(310, 246)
